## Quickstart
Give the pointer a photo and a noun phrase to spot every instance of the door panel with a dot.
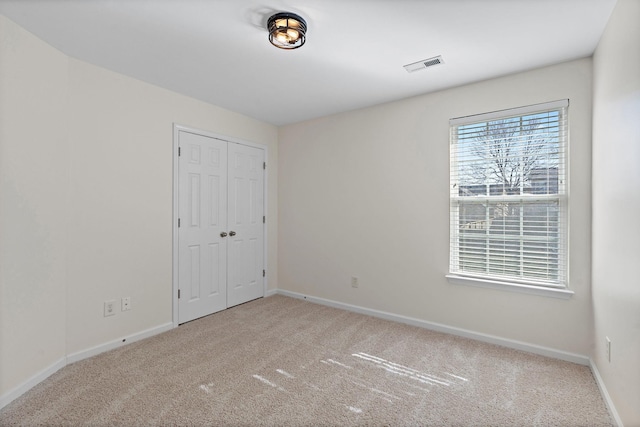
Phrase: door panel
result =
(246, 208)
(202, 205)
(221, 190)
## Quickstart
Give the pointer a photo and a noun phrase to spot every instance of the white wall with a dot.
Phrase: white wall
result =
(33, 195)
(121, 208)
(616, 208)
(86, 192)
(365, 194)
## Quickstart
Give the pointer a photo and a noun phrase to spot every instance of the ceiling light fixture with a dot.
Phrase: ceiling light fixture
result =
(287, 30)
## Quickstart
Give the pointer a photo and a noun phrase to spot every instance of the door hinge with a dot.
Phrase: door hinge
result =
(178, 293)
(264, 273)
(179, 151)
(264, 219)
(264, 165)
(178, 222)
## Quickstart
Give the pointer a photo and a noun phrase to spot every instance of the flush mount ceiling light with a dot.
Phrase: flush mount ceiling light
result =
(287, 30)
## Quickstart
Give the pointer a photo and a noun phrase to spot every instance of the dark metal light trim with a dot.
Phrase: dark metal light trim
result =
(287, 30)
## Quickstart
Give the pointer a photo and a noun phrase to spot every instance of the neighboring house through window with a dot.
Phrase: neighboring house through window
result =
(508, 196)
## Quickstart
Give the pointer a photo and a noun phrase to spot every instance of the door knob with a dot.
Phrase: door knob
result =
(223, 234)
(232, 233)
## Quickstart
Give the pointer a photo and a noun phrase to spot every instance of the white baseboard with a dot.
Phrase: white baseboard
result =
(94, 351)
(13, 394)
(270, 293)
(438, 327)
(605, 394)
(18, 391)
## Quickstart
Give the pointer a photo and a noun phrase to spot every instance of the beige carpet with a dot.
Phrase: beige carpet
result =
(282, 361)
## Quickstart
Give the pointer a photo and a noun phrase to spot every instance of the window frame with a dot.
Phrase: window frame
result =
(559, 289)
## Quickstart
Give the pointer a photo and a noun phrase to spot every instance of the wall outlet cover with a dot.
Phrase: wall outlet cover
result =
(110, 308)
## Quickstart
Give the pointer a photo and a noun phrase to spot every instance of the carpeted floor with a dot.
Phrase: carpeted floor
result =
(283, 361)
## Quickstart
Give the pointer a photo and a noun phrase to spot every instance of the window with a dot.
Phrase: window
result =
(508, 196)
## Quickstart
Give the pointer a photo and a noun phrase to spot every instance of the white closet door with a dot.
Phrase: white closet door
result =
(202, 201)
(246, 229)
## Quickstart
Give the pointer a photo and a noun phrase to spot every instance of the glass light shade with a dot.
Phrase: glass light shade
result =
(287, 30)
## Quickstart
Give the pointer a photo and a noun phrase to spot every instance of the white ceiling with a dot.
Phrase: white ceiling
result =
(217, 50)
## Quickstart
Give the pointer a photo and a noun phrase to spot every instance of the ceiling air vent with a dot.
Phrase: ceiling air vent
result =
(425, 63)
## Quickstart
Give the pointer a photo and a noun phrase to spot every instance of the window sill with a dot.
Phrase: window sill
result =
(511, 287)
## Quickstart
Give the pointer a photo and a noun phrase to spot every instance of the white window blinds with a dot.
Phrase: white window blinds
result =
(508, 195)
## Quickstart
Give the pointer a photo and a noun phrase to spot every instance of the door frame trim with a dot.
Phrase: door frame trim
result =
(177, 128)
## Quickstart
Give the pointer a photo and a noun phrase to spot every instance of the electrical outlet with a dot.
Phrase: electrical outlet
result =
(608, 348)
(110, 308)
(126, 303)
(354, 282)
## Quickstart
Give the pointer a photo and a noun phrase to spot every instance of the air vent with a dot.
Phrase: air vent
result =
(425, 63)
